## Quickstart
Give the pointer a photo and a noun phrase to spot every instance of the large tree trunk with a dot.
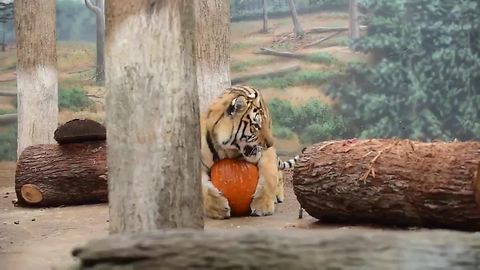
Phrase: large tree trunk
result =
(153, 129)
(36, 72)
(285, 249)
(53, 175)
(212, 30)
(99, 11)
(391, 182)
(265, 17)
(354, 30)
(297, 28)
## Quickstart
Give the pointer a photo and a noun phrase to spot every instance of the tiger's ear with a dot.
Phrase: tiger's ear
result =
(237, 105)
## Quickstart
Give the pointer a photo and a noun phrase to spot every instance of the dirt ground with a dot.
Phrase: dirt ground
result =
(43, 238)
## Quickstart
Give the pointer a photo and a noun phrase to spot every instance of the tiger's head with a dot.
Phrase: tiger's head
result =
(239, 120)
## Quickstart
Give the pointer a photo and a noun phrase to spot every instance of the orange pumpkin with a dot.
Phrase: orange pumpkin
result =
(237, 180)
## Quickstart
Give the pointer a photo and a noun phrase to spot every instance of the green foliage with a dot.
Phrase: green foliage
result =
(244, 65)
(282, 132)
(312, 120)
(301, 77)
(237, 67)
(75, 21)
(7, 111)
(252, 9)
(73, 99)
(8, 144)
(241, 46)
(322, 57)
(427, 84)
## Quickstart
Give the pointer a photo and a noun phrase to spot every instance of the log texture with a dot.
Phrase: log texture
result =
(295, 249)
(80, 130)
(53, 175)
(391, 182)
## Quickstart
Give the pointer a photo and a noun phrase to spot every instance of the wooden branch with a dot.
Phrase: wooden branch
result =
(94, 8)
(268, 51)
(295, 249)
(8, 93)
(80, 130)
(8, 118)
(272, 73)
(322, 39)
(69, 174)
(391, 182)
(332, 29)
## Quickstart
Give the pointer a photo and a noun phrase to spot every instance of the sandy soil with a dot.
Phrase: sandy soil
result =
(43, 238)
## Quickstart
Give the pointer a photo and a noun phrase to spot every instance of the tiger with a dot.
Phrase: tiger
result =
(238, 125)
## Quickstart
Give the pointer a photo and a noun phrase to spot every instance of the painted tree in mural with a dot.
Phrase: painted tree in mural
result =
(98, 9)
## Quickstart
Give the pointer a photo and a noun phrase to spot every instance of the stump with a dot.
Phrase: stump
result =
(283, 249)
(391, 182)
(69, 174)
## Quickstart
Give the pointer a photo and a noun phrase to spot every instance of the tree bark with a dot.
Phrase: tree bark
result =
(153, 129)
(53, 175)
(37, 79)
(391, 182)
(297, 28)
(80, 130)
(354, 30)
(265, 17)
(295, 249)
(99, 11)
(212, 35)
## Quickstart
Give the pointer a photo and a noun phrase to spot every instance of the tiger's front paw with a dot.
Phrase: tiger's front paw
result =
(217, 207)
(262, 206)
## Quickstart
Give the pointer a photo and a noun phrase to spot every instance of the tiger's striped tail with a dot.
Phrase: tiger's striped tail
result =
(289, 164)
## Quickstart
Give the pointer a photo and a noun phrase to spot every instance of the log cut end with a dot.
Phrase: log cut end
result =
(31, 193)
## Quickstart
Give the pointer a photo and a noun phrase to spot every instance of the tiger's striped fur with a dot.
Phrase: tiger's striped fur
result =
(238, 125)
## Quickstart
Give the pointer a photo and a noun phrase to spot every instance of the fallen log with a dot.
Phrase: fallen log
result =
(8, 118)
(391, 182)
(273, 73)
(323, 39)
(8, 93)
(268, 51)
(292, 249)
(331, 29)
(80, 130)
(69, 174)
